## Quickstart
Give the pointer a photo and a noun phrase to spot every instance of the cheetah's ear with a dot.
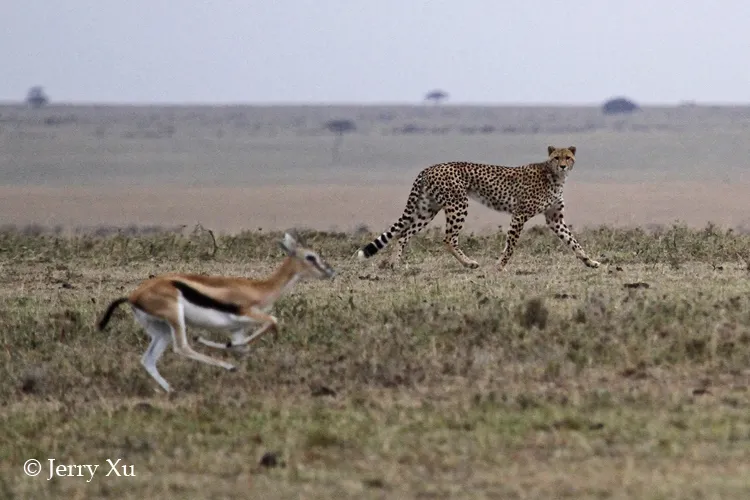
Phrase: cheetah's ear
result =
(550, 149)
(572, 149)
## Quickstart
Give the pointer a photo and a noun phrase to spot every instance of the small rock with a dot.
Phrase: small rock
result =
(144, 407)
(322, 390)
(270, 459)
(639, 284)
(374, 483)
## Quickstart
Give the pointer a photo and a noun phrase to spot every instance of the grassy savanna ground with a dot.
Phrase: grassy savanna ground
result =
(433, 381)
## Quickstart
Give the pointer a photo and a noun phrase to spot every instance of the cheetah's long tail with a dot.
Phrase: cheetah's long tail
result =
(380, 242)
(398, 227)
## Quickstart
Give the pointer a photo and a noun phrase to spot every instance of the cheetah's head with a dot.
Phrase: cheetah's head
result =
(561, 160)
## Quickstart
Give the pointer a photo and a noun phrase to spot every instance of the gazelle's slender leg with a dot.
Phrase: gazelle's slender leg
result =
(269, 323)
(211, 343)
(251, 338)
(238, 336)
(158, 330)
(159, 341)
(182, 347)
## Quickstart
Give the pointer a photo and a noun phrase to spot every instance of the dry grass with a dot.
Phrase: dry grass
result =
(427, 382)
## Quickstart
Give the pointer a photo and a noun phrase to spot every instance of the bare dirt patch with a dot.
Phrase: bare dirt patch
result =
(345, 207)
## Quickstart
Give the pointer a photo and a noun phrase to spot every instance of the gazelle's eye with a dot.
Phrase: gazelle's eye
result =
(310, 258)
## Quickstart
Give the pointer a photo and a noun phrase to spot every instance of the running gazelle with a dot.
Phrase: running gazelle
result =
(165, 304)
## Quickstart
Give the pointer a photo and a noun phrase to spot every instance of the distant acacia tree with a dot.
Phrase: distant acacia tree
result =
(339, 127)
(36, 98)
(436, 96)
(619, 105)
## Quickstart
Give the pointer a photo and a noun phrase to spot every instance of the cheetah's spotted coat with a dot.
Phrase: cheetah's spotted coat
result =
(523, 192)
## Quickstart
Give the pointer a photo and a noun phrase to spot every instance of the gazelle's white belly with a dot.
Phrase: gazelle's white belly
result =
(211, 318)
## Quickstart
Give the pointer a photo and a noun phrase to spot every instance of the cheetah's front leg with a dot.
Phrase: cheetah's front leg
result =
(516, 226)
(556, 222)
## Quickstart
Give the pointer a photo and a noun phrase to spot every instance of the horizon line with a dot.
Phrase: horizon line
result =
(423, 103)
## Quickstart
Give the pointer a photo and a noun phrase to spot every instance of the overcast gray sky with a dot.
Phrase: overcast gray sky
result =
(376, 51)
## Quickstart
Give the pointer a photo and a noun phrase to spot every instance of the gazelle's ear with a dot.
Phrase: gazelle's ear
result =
(288, 244)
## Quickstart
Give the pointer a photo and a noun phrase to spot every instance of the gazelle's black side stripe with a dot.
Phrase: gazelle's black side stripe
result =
(195, 297)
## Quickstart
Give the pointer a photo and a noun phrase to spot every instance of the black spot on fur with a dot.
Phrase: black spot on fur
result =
(195, 297)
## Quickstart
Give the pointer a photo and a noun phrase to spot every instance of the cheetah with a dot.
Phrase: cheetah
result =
(523, 191)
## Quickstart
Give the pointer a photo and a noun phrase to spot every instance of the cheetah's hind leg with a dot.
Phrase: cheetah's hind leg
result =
(420, 220)
(455, 216)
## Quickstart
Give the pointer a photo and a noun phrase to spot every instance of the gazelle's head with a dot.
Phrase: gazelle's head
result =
(307, 261)
(561, 160)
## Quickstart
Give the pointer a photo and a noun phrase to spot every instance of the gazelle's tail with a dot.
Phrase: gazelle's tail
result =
(108, 313)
